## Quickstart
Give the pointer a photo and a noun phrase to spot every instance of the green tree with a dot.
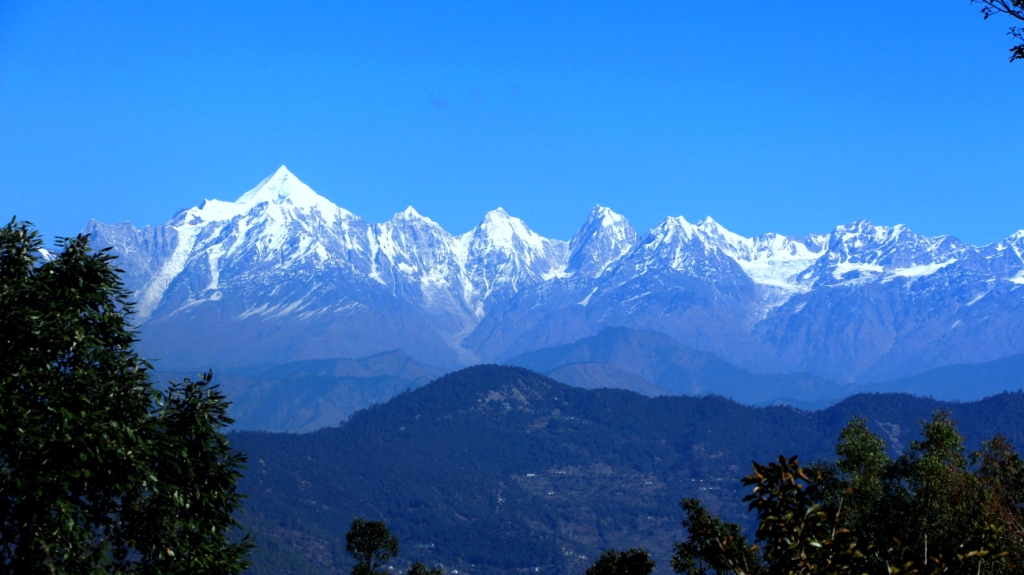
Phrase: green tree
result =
(98, 471)
(1012, 8)
(629, 562)
(371, 544)
(1000, 474)
(929, 506)
(797, 534)
(419, 568)
(712, 545)
(933, 510)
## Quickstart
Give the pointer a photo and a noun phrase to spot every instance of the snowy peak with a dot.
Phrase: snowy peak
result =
(673, 229)
(501, 232)
(602, 241)
(602, 219)
(674, 243)
(713, 233)
(605, 218)
(413, 243)
(861, 251)
(409, 218)
(279, 196)
(502, 250)
(276, 187)
(409, 214)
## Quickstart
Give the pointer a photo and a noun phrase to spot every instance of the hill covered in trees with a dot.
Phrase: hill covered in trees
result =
(500, 470)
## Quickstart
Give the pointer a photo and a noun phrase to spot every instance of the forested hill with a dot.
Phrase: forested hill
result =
(498, 469)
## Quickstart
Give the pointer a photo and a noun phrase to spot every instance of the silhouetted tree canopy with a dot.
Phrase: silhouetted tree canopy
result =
(629, 562)
(371, 544)
(418, 568)
(1014, 9)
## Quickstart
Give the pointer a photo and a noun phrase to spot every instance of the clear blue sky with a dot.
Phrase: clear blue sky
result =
(769, 116)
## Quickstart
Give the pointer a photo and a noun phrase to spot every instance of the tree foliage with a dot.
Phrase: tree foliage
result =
(1014, 9)
(932, 510)
(371, 544)
(98, 471)
(628, 562)
(418, 568)
(713, 545)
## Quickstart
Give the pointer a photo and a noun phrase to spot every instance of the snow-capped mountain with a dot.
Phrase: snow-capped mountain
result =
(603, 240)
(284, 274)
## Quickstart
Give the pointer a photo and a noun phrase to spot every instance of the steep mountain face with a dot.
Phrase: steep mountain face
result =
(282, 274)
(603, 240)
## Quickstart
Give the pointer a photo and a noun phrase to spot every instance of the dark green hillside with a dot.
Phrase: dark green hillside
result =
(498, 469)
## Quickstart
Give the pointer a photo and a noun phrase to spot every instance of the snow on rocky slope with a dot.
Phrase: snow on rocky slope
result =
(283, 274)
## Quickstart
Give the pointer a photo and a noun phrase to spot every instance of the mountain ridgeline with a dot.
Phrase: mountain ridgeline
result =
(494, 470)
(284, 275)
(307, 395)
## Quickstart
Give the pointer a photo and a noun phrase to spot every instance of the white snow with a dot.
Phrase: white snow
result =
(977, 298)
(213, 256)
(153, 292)
(921, 270)
(500, 231)
(843, 268)
(281, 193)
(583, 302)
(774, 260)
(769, 260)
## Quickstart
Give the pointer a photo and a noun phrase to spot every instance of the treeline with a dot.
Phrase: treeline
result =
(934, 510)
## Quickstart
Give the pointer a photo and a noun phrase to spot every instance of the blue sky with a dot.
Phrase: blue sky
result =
(767, 116)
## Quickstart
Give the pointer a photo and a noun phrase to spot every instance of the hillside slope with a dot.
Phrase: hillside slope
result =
(498, 469)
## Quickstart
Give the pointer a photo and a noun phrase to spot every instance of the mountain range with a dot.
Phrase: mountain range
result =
(283, 275)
